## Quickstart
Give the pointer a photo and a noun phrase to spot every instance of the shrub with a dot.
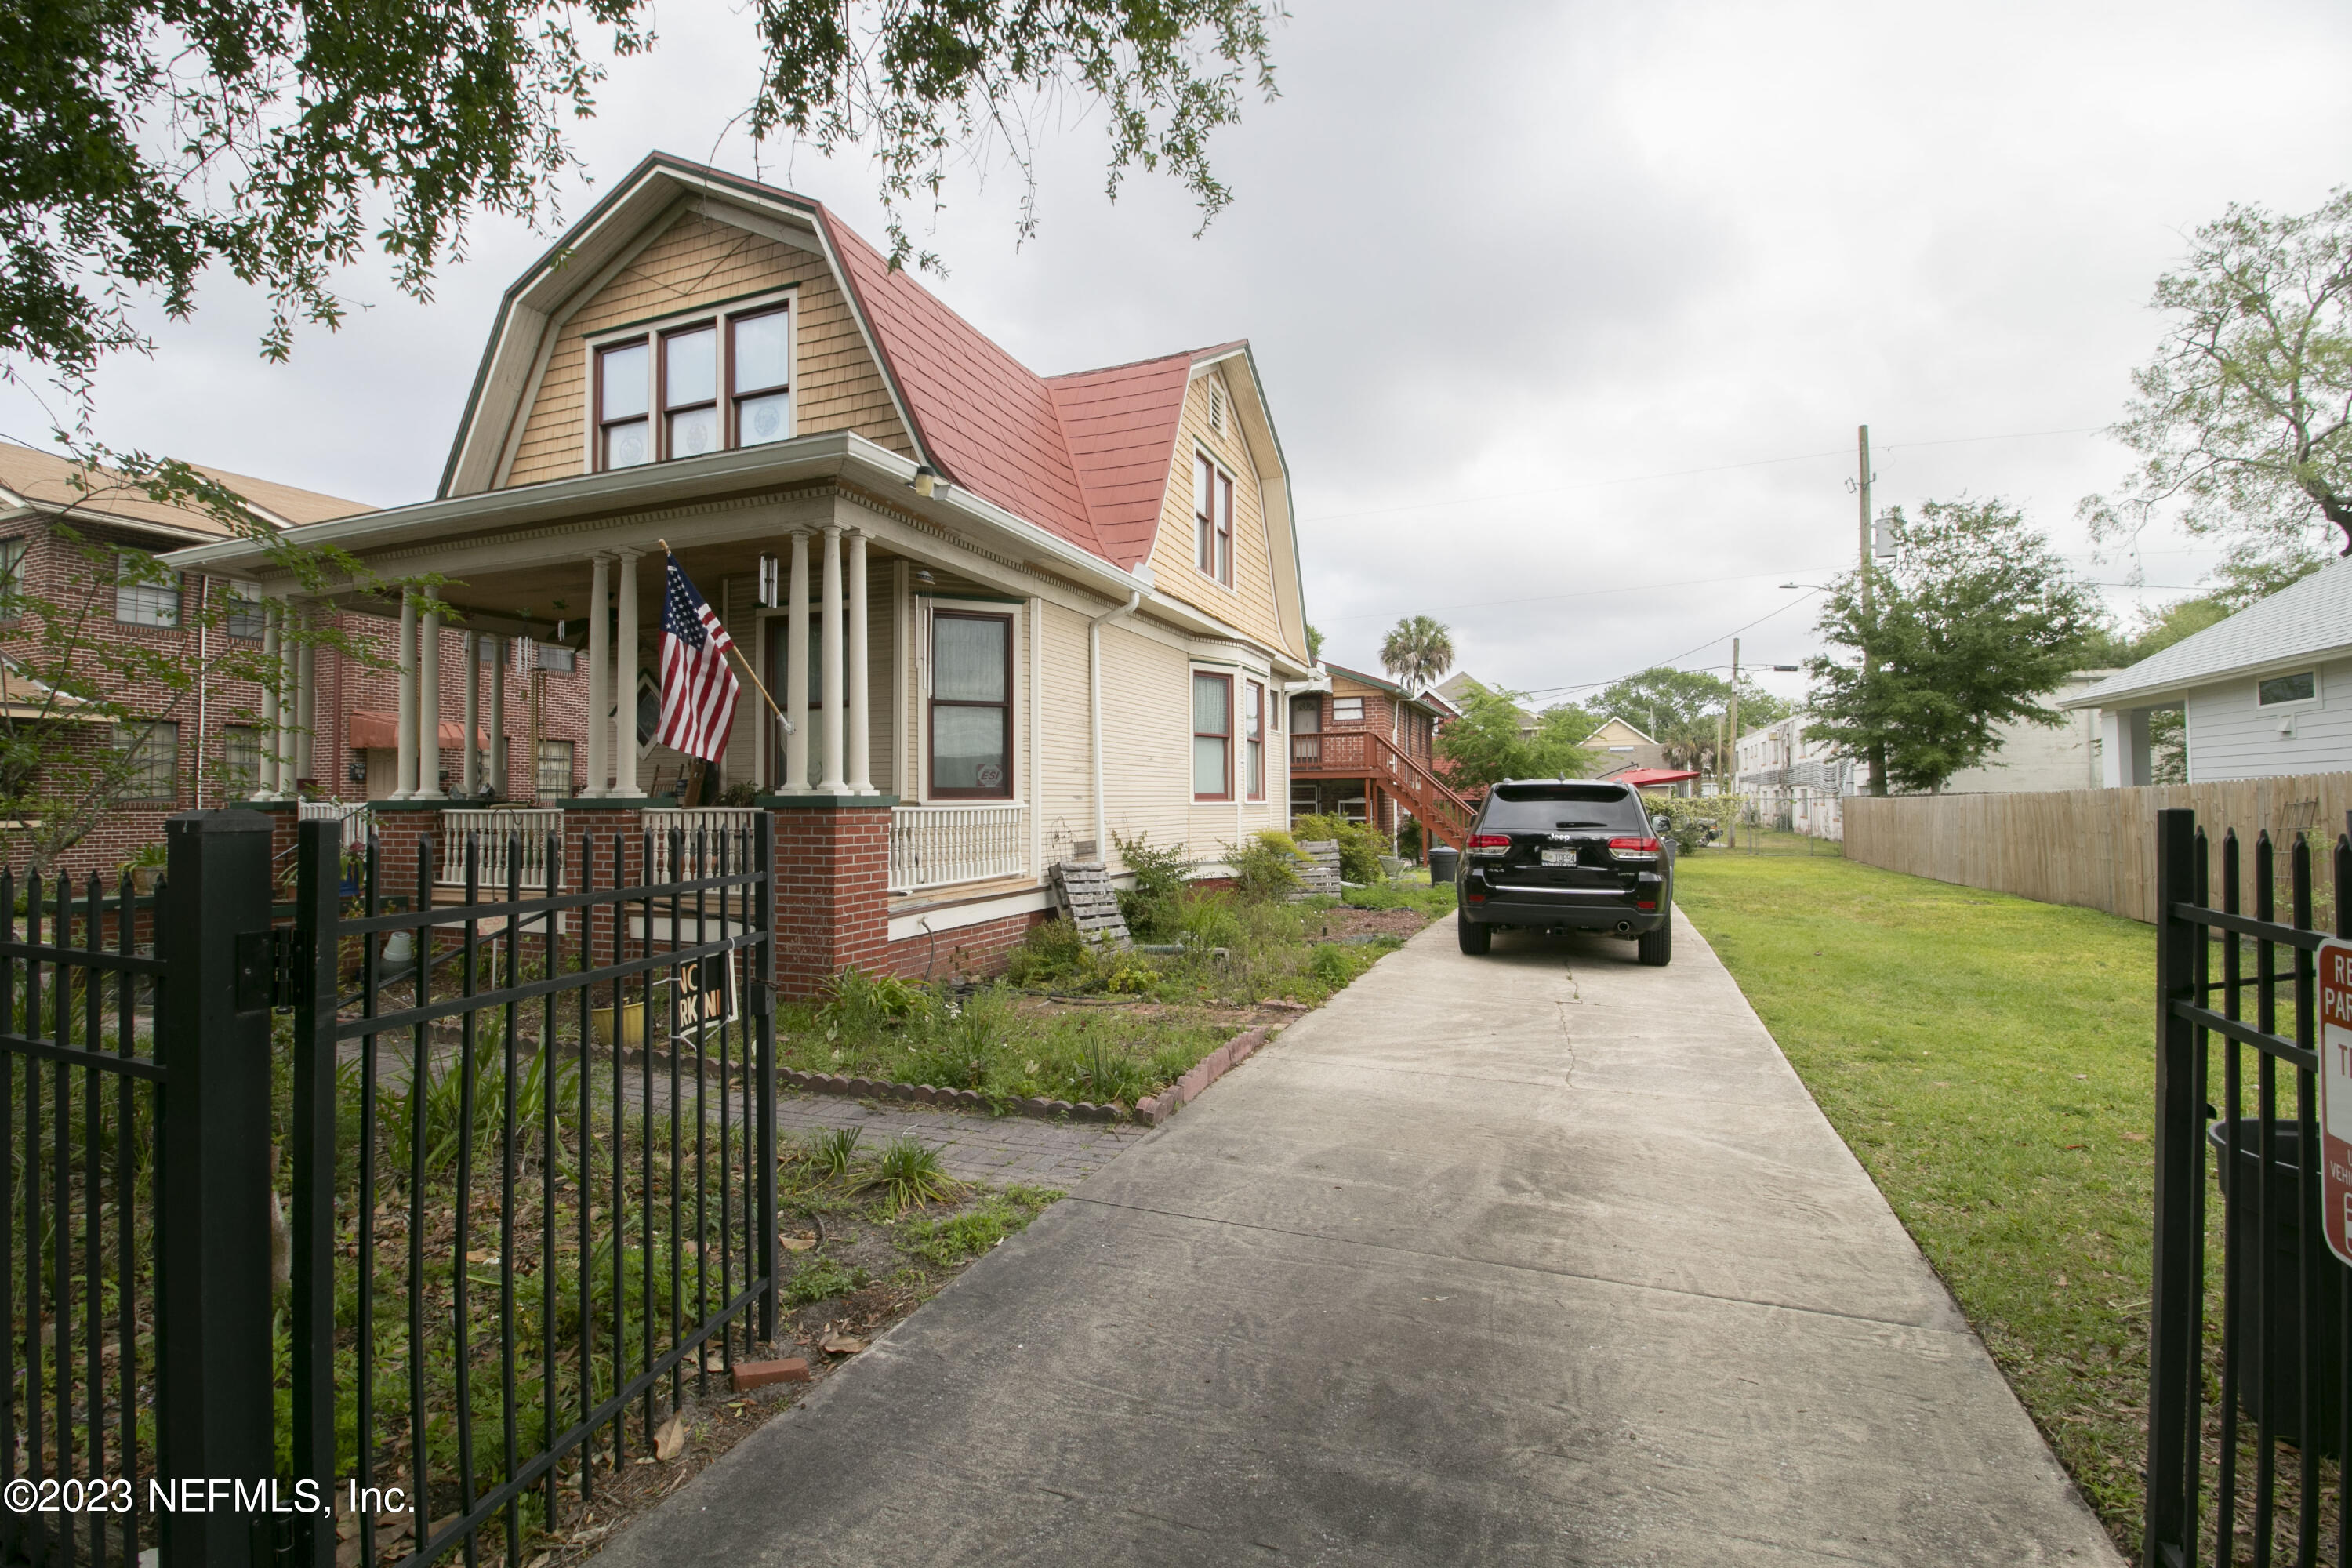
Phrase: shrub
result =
(1052, 952)
(1205, 918)
(857, 1002)
(1692, 815)
(1266, 869)
(909, 1175)
(1160, 875)
(1333, 965)
(1360, 846)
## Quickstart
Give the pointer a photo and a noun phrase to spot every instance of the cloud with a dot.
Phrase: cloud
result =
(1487, 251)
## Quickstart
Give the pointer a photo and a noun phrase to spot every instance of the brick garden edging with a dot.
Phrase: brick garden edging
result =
(1152, 1111)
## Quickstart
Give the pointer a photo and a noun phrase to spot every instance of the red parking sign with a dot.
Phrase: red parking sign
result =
(2336, 1095)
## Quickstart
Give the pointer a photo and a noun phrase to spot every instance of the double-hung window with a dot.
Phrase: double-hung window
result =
(554, 770)
(695, 385)
(241, 760)
(1253, 738)
(151, 752)
(1212, 736)
(971, 706)
(12, 578)
(146, 594)
(245, 616)
(1213, 520)
(1346, 709)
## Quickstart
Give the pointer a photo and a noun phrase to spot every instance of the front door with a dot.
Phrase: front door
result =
(383, 771)
(1307, 715)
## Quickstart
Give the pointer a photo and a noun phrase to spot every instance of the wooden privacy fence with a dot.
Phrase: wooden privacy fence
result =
(2094, 848)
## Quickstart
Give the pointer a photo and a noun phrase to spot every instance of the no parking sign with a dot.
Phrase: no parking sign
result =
(2336, 1095)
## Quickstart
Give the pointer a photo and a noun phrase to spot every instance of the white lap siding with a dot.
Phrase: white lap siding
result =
(2231, 737)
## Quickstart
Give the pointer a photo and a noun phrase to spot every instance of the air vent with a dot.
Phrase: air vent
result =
(1216, 409)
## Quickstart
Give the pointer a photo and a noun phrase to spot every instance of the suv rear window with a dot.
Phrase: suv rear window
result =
(1540, 808)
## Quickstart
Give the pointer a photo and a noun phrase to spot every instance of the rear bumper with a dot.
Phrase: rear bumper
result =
(1520, 908)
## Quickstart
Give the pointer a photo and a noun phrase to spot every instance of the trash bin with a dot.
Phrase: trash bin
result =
(1440, 864)
(2276, 1388)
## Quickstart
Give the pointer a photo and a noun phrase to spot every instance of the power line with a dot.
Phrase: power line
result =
(1677, 474)
(1589, 685)
(1579, 594)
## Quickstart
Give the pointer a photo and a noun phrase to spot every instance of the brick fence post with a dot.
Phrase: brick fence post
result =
(833, 886)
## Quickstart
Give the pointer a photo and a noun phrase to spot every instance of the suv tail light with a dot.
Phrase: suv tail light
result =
(1634, 848)
(1490, 844)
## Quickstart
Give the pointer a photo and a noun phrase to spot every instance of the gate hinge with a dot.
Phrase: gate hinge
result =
(265, 969)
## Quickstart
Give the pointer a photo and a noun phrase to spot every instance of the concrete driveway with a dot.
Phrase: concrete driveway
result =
(1542, 1258)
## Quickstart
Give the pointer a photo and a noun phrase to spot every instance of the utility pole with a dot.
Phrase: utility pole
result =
(1734, 727)
(1869, 618)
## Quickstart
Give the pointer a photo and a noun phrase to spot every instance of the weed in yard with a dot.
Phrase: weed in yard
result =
(834, 1150)
(950, 1241)
(821, 1279)
(910, 1176)
(1333, 965)
(857, 1004)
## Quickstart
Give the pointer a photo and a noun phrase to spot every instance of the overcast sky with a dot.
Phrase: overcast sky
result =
(1567, 312)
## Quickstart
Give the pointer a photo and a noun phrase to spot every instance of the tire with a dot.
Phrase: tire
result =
(1656, 948)
(1475, 936)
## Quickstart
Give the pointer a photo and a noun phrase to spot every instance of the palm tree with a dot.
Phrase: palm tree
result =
(1417, 652)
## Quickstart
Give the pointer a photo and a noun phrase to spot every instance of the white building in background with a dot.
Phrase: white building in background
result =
(2266, 692)
(1800, 784)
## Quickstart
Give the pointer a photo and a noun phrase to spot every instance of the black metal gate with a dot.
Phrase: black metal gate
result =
(381, 1227)
(2250, 1407)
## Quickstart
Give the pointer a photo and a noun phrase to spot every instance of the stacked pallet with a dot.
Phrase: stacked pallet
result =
(1322, 877)
(1083, 889)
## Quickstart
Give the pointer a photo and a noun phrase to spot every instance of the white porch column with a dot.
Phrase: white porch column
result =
(428, 706)
(861, 677)
(273, 703)
(290, 701)
(600, 676)
(625, 683)
(2124, 759)
(795, 780)
(829, 637)
(504, 648)
(306, 713)
(403, 783)
(470, 779)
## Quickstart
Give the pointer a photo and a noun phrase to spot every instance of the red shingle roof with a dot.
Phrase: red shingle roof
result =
(1084, 456)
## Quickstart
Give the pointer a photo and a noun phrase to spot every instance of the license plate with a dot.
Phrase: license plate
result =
(1559, 857)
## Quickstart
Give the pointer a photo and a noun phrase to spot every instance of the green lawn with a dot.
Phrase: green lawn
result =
(1990, 1061)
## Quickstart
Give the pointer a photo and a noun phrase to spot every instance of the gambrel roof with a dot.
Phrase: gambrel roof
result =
(1084, 455)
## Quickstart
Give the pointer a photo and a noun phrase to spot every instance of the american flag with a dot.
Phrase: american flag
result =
(698, 689)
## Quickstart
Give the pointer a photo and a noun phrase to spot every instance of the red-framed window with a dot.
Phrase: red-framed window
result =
(759, 371)
(1253, 738)
(1212, 736)
(971, 706)
(624, 433)
(1213, 520)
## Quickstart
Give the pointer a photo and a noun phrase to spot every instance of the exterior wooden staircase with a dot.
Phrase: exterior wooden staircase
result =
(1374, 757)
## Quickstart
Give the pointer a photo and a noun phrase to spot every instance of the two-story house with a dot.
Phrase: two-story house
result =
(1008, 617)
(1365, 749)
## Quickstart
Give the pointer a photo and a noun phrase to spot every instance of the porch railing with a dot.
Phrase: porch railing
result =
(501, 834)
(353, 815)
(933, 845)
(703, 822)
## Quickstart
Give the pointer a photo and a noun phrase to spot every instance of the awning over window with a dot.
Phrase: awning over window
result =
(371, 731)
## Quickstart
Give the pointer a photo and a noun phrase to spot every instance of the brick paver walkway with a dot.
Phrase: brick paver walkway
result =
(1003, 1151)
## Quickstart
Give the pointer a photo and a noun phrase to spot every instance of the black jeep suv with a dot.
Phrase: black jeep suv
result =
(1566, 855)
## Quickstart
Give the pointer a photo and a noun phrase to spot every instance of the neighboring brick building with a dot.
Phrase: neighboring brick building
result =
(66, 542)
(1365, 749)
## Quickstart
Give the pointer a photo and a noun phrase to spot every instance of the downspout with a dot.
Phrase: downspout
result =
(204, 602)
(1094, 715)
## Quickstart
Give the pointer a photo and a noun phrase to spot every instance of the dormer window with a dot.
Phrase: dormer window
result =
(694, 386)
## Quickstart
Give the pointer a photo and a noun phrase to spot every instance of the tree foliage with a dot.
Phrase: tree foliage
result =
(1683, 709)
(1979, 617)
(146, 142)
(1487, 745)
(2243, 420)
(1417, 652)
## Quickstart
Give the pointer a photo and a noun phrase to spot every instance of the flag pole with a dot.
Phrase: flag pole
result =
(741, 663)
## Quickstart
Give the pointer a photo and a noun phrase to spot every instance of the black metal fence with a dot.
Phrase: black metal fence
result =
(527, 1201)
(2249, 1409)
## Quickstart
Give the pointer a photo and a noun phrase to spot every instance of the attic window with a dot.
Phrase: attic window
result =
(694, 385)
(2281, 688)
(1213, 520)
(1216, 409)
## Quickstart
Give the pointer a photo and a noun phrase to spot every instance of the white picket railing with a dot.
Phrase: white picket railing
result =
(501, 835)
(354, 814)
(707, 826)
(932, 845)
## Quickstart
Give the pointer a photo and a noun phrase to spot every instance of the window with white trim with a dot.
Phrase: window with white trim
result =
(554, 770)
(1212, 736)
(971, 706)
(146, 592)
(1346, 709)
(245, 616)
(152, 760)
(1213, 520)
(696, 386)
(2280, 689)
(12, 578)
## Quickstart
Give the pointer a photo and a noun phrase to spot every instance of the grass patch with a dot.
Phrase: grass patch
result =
(959, 1238)
(1988, 1059)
